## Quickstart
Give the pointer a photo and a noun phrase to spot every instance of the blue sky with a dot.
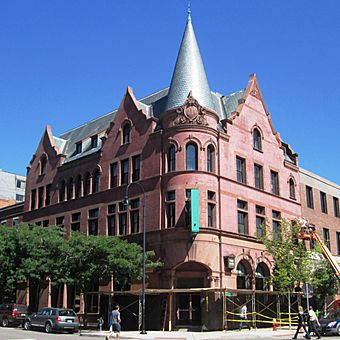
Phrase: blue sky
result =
(66, 62)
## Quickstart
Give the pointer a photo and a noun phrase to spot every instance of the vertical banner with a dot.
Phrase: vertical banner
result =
(195, 211)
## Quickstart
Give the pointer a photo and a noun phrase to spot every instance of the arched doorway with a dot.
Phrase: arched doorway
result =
(244, 275)
(261, 277)
(189, 304)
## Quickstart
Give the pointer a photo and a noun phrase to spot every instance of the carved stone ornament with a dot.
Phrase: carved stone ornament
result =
(256, 92)
(191, 112)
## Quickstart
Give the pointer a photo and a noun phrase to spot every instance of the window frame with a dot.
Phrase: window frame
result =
(275, 182)
(171, 158)
(126, 133)
(258, 177)
(242, 211)
(191, 157)
(257, 140)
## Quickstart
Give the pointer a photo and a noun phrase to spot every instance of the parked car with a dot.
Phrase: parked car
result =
(53, 319)
(330, 324)
(12, 314)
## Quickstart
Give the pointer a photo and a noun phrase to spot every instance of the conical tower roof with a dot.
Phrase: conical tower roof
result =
(189, 74)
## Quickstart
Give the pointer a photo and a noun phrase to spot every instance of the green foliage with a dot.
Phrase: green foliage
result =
(35, 253)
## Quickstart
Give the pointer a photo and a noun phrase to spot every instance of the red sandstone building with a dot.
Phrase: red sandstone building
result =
(180, 138)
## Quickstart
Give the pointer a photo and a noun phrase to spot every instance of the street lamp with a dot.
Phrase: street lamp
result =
(126, 202)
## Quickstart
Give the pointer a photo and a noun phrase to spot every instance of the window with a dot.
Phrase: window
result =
(242, 217)
(43, 162)
(274, 176)
(87, 184)
(78, 148)
(243, 278)
(191, 156)
(291, 188)
(45, 223)
(323, 201)
(171, 158)
(126, 133)
(111, 219)
(62, 187)
(48, 195)
(260, 220)
(241, 169)
(95, 181)
(261, 278)
(77, 188)
(188, 207)
(134, 216)
(124, 171)
(276, 217)
(326, 238)
(94, 142)
(70, 189)
(258, 174)
(40, 197)
(336, 207)
(135, 168)
(338, 241)
(113, 175)
(211, 209)
(20, 184)
(33, 198)
(171, 209)
(59, 221)
(257, 143)
(309, 197)
(210, 158)
(75, 221)
(93, 222)
(122, 219)
(19, 198)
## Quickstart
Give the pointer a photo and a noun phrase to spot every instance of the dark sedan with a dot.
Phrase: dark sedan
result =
(53, 319)
(330, 324)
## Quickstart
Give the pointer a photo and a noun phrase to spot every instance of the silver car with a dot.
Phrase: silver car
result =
(53, 319)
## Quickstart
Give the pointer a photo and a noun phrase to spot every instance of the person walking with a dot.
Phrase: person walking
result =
(313, 321)
(114, 323)
(243, 316)
(301, 323)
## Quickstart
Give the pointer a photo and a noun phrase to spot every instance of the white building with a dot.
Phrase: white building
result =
(12, 188)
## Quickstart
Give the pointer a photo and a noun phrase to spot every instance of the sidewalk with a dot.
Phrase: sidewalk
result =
(183, 335)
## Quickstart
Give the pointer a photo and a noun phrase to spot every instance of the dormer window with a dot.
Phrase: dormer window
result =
(43, 162)
(94, 141)
(126, 133)
(257, 143)
(78, 148)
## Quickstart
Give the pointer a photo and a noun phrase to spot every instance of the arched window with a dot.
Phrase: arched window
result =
(210, 158)
(171, 158)
(126, 133)
(191, 156)
(77, 187)
(70, 186)
(257, 143)
(261, 277)
(87, 184)
(62, 191)
(243, 276)
(43, 162)
(95, 181)
(291, 188)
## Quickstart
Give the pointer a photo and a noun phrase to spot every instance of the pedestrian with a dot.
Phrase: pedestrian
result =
(313, 321)
(114, 323)
(243, 316)
(301, 323)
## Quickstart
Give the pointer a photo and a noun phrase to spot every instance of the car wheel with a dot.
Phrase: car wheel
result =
(338, 330)
(70, 332)
(27, 325)
(4, 322)
(48, 328)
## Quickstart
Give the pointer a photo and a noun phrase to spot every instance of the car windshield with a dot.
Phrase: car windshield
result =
(332, 315)
(67, 312)
(21, 308)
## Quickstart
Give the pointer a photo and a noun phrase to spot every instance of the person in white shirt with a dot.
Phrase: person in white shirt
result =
(313, 321)
(243, 316)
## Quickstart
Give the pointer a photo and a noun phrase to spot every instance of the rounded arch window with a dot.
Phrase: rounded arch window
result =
(95, 181)
(261, 277)
(43, 162)
(257, 142)
(210, 158)
(126, 133)
(291, 188)
(62, 191)
(243, 275)
(77, 187)
(191, 152)
(70, 186)
(171, 159)
(87, 184)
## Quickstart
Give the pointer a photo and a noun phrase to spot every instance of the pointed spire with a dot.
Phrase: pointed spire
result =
(189, 74)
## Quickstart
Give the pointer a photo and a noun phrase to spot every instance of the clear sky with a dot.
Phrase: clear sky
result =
(66, 62)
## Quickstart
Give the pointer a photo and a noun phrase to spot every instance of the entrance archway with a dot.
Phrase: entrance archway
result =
(244, 275)
(261, 277)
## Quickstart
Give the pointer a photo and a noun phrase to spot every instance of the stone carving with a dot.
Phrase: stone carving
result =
(191, 112)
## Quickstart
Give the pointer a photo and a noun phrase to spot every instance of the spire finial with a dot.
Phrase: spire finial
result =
(189, 10)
